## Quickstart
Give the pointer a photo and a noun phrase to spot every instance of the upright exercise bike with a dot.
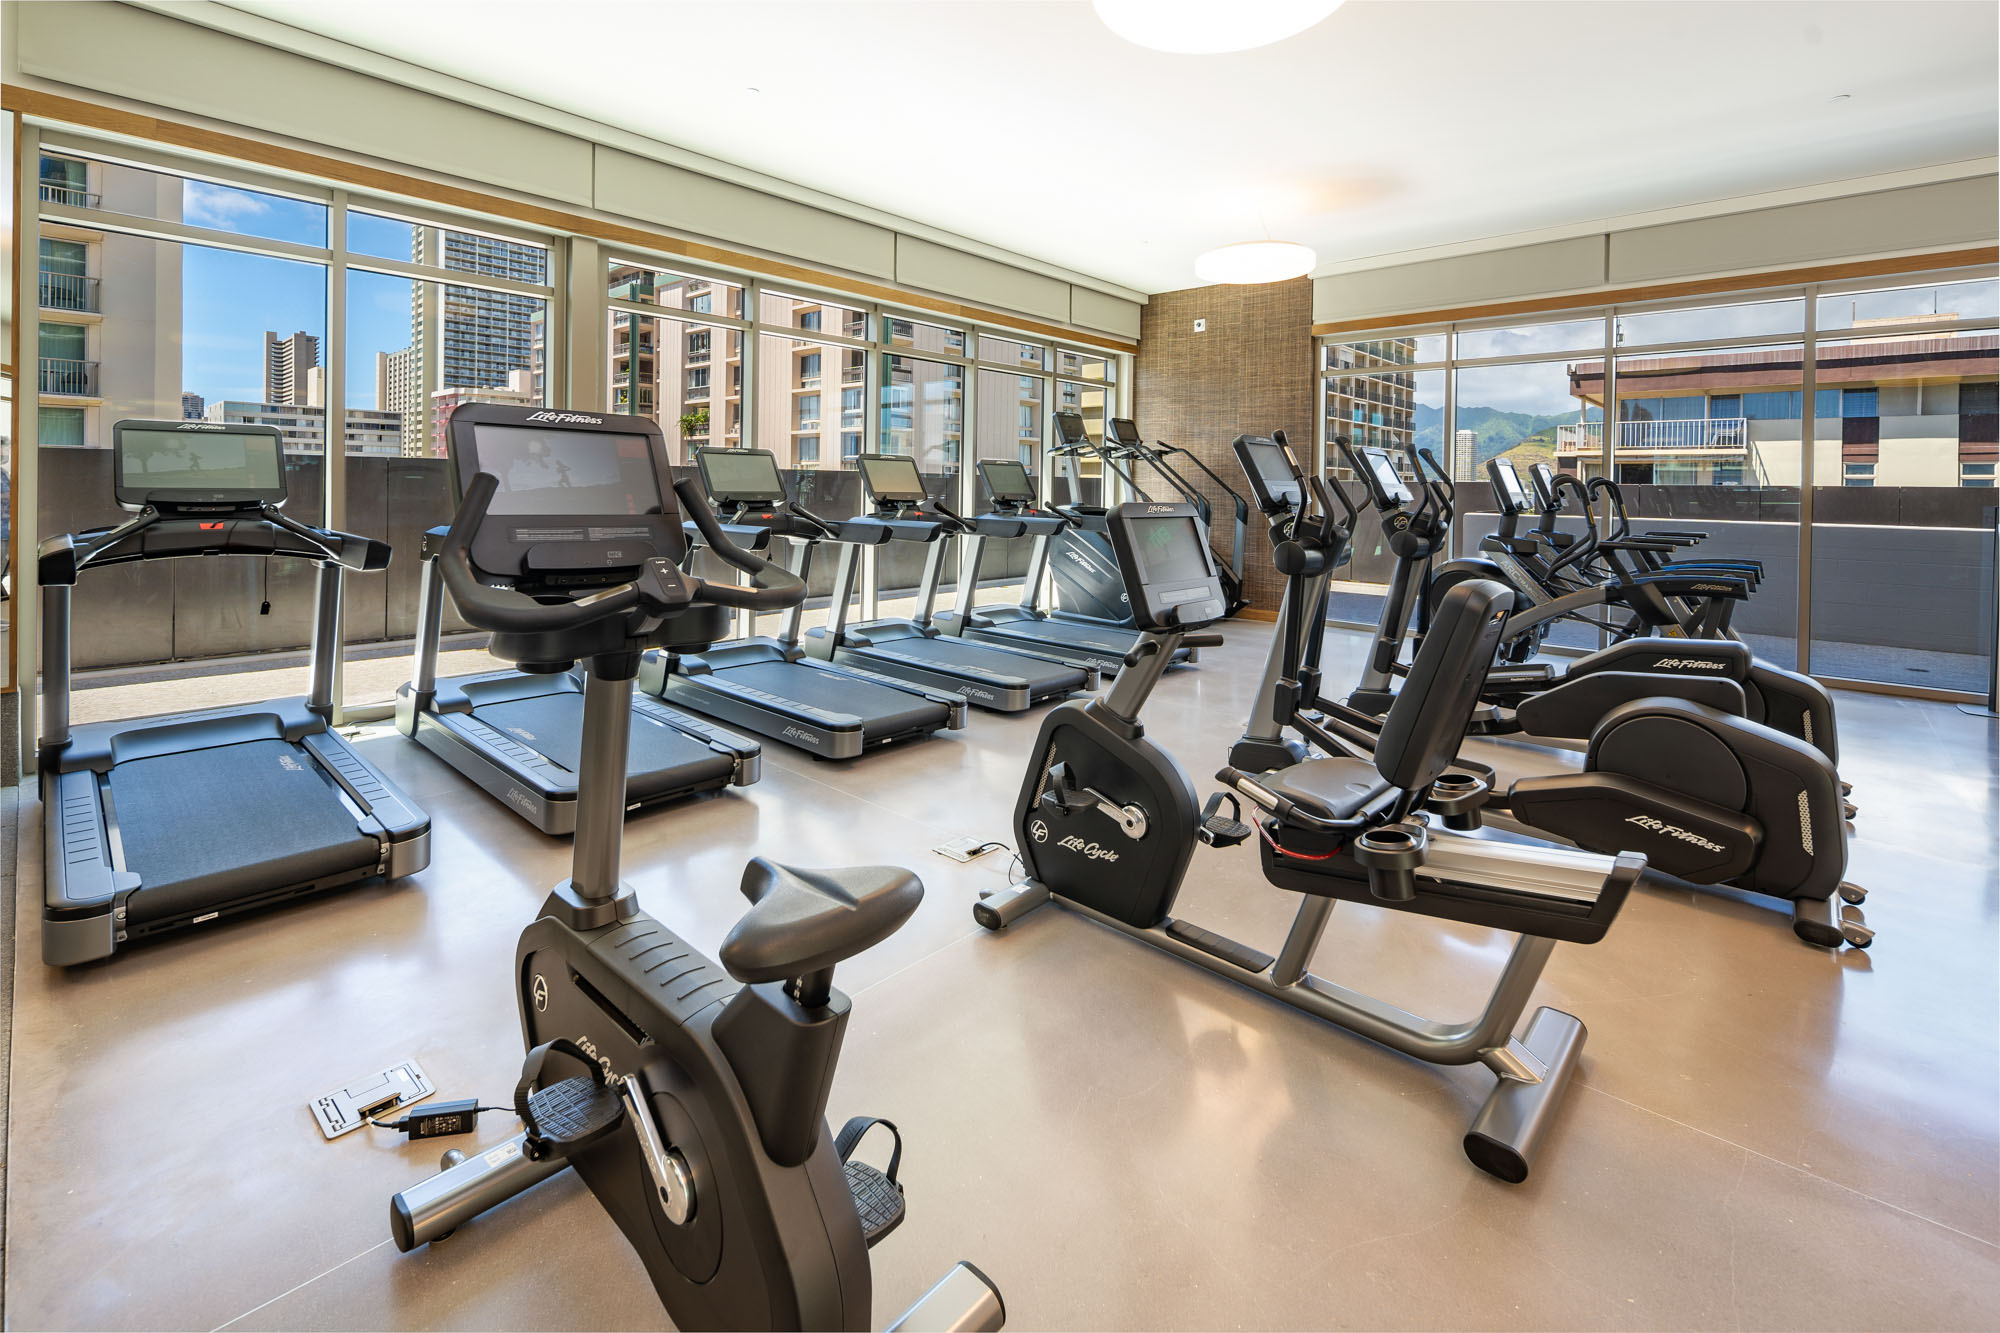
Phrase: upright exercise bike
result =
(689, 1098)
(1106, 824)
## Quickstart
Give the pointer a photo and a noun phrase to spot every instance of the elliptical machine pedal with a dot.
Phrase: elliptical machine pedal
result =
(878, 1195)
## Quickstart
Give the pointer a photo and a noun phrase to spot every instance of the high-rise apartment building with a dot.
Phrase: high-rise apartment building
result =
(397, 378)
(286, 361)
(303, 425)
(1370, 400)
(101, 299)
(483, 336)
(191, 406)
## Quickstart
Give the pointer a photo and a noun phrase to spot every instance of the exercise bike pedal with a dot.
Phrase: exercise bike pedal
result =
(1848, 810)
(1854, 928)
(570, 1113)
(1218, 829)
(1850, 892)
(878, 1196)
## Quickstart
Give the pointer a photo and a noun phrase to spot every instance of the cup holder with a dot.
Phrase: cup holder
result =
(1458, 797)
(1391, 855)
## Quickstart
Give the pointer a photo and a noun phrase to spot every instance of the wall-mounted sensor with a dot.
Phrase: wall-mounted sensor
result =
(1201, 326)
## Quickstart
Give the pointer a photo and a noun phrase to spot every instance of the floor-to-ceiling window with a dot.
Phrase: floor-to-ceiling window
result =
(1708, 414)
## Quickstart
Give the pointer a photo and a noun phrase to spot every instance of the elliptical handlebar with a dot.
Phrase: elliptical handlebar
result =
(1444, 490)
(1605, 486)
(508, 611)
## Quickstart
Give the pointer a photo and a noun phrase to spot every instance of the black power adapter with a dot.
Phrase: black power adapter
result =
(438, 1119)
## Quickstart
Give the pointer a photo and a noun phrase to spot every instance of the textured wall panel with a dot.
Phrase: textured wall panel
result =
(1251, 372)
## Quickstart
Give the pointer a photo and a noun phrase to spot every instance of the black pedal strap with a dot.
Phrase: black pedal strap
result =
(849, 1138)
(570, 1112)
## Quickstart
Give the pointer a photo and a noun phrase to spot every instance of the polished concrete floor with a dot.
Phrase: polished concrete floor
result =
(1763, 1135)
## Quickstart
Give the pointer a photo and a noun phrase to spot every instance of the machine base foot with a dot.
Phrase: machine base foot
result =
(1510, 1127)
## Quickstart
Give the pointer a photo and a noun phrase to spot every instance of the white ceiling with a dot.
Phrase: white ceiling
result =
(1389, 127)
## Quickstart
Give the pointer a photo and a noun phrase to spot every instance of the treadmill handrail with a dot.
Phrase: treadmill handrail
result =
(61, 558)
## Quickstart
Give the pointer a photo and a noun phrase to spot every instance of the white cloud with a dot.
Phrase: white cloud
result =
(221, 207)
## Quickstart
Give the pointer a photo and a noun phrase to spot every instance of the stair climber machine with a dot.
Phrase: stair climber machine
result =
(519, 733)
(689, 1098)
(1709, 796)
(1123, 442)
(157, 824)
(1015, 513)
(773, 686)
(1083, 566)
(1107, 824)
(993, 676)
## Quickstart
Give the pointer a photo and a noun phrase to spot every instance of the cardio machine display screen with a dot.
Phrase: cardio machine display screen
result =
(1274, 470)
(1123, 431)
(893, 477)
(1386, 479)
(164, 461)
(741, 474)
(567, 471)
(1169, 551)
(1510, 482)
(1069, 429)
(1007, 480)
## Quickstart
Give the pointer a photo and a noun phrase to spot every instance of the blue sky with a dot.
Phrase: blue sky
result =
(229, 299)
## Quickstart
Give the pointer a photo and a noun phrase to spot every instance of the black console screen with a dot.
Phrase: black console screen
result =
(1169, 551)
(162, 461)
(567, 471)
(1007, 479)
(741, 474)
(893, 477)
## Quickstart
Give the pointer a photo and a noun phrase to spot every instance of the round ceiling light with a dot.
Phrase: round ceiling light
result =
(1208, 27)
(1256, 261)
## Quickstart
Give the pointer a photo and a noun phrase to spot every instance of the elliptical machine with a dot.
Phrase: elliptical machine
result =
(1106, 824)
(1712, 797)
(689, 1098)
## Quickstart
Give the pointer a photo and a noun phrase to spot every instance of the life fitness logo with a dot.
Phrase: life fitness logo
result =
(541, 990)
(565, 418)
(1038, 831)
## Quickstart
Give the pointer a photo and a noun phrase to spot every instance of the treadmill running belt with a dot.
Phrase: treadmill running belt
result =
(946, 652)
(883, 711)
(206, 828)
(661, 758)
(1105, 638)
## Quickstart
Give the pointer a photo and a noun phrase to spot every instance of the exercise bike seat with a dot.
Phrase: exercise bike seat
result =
(1335, 788)
(804, 920)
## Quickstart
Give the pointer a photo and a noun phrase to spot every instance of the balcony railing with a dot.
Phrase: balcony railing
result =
(808, 423)
(59, 191)
(77, 378)
(1713, 436)
(807, 382)
(696, 393)
(68, 291)
(852, 375)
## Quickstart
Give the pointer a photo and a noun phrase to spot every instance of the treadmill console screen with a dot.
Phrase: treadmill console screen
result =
(1008, 481)
(1124, 430)
(892, 477)
(566, 472)
(1382, 478)
(747, 475)
(1273, 473)
(1168, 568)
(1508, 491)
(201, 464)
(1070, 431)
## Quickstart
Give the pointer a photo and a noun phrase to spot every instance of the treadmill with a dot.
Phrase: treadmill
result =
(156, 824)
(771, 686)
(518, 733)
(1015, 513)
(991, 676)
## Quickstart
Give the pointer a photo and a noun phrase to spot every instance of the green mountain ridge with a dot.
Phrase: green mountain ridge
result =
(1498, 431)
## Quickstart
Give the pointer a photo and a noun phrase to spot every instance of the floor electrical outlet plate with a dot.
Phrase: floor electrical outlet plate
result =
(966, 849)
(349, 1106)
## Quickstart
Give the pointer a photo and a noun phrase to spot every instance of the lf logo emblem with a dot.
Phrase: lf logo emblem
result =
(1038, 831)
(541, 994)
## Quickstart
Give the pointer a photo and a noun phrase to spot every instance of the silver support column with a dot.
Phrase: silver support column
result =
(326, 639)
(430, 626)
(600, 787)
(55, 666)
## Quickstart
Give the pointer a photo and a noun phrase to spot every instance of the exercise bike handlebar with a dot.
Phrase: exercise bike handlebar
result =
(505, 610)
